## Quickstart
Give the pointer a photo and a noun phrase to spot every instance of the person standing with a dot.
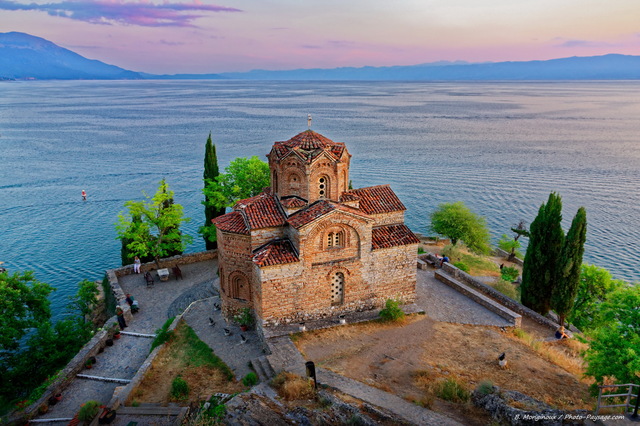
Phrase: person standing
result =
(136, 265)
(120, 315)
(84, 195)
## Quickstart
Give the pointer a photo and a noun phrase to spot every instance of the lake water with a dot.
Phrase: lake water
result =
(499, 147)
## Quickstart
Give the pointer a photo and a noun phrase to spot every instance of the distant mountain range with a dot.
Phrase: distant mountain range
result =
(23, 56)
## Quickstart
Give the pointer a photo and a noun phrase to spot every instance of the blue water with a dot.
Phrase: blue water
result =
(499, 147)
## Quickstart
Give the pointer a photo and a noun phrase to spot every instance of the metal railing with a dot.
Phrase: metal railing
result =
(631, 393)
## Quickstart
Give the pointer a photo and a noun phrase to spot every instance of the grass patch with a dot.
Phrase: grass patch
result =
(451, 390)
(563, 354)
(162, 334)
(462, 266)
(506, 288)
(478, 265)
(179, 389)
(196, 353)
(509, 273)
(485, 387)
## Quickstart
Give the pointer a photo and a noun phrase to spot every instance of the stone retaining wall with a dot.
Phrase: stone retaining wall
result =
(494, 294)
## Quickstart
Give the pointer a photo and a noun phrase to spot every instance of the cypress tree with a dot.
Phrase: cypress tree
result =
(570, 266)
(540, 271)
(211, 172)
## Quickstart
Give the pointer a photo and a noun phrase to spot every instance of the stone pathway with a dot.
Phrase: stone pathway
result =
(229, 348)
(442, 303)
(127, 354)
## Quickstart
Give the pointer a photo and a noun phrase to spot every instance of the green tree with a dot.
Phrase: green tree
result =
(243, 178)
(540, 270)
(24, 304)
(614, 348)
(596, 285)
(161, 219)
(511, 245)
(457, 222)
(211, 173)
(565, 290)
(141, 231)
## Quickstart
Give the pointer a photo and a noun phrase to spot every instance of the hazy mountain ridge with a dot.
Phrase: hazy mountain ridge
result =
(23, 56)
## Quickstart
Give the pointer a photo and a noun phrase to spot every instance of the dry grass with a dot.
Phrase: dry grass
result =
(292, 387)
(184, 356)
(563, 353)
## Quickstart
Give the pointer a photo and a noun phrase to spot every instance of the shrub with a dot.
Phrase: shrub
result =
(244, 317)
(392, 311)
(462, 266)
(509, 273)
(162, 334)
(485, 387)
(451, 390)
(506, 288)
(88, 410)
(292, 387)
(215, 413)
(421, 250)
(179, 388)
(250, 379)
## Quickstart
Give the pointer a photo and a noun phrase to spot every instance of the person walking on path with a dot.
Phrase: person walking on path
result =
(120, 314)
(136, 265)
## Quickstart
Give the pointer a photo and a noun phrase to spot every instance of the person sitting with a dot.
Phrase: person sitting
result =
(148, 278)
(129, 299)
(134, 307)
(561, 334)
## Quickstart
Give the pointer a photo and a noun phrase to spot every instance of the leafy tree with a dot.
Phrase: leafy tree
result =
(24, 304)
(211, 173)
(243, 178)
(85, 299)
(614, 348)
(137, 228)
(511, 245)
(566, 288)
(457, 222)
(161, 219)
(596, 285)
(541, 263)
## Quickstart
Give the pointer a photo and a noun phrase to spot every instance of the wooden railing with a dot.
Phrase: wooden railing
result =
(632, 392)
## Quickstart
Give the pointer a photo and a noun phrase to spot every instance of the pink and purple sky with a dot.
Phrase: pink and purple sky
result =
(201, 36)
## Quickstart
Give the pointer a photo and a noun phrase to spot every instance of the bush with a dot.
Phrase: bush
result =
(244, 317)
(485, 387)
(250, 379)
(392, 311)
(462, 266)
(506, 288)
(179, 388)
(162, 334)
(421, 250)
(509, 273)
(88, 410)
(292, 387)
(451, 390)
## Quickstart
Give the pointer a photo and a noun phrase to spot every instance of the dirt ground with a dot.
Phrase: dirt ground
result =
(408, 359)
(171, 362)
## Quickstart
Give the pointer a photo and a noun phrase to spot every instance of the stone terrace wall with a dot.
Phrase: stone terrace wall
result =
(501, 253)
(169, 262)
(493, 293)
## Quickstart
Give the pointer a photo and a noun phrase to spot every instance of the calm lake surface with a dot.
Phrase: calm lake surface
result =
(499, 147)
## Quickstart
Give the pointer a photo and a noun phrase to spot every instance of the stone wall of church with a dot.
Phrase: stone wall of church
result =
(262, 236)
(392, 218)
(235, 263)
(394, 273)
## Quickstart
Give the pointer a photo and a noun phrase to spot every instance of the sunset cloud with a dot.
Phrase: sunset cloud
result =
(141, 13)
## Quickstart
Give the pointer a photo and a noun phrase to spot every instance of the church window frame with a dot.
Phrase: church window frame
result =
(337, 286)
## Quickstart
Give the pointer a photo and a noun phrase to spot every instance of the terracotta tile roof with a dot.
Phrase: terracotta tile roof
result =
(293, 201)
(308, 145)
(318, 209)
(275, 252)
(232, 222)
(261, 211)
(348, 196)
(391, 236)
(377, 199)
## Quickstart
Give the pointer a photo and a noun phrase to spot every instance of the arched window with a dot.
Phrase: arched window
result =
(337, 288)
(335, 239)
(323, 187)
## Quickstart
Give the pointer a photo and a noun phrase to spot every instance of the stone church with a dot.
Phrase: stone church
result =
(309, 247)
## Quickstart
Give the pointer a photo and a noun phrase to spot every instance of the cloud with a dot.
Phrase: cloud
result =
(141, 13)
(585, 43)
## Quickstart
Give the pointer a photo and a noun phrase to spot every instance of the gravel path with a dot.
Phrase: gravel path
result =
(442, 303)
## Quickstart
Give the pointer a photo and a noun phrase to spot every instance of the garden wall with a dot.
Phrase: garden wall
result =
(501, 253)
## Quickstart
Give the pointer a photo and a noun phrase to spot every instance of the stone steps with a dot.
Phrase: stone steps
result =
(263, 368)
